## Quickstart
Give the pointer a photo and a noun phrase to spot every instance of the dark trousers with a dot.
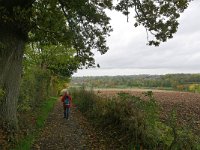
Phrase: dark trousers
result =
(66, 112)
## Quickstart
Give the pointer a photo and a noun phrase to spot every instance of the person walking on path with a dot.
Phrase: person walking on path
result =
(67, 103)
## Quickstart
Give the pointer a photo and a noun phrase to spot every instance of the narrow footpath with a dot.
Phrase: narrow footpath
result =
(73, 134)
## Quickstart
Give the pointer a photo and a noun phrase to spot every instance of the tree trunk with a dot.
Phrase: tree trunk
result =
(53, 86)
(11, 55)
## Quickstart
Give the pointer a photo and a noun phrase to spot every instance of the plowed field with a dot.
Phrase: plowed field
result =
(186, 104)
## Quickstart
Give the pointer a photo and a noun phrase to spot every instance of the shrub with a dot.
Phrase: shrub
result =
(136, 119)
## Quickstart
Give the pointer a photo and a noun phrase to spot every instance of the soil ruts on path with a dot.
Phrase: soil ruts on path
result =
(73, 134)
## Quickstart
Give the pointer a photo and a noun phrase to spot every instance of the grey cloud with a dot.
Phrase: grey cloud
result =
(129, 52)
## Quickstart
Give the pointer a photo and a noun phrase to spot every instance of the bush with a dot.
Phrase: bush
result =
(34, 89)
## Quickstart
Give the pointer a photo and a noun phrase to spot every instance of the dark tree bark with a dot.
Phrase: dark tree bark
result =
(11, 55)
(14, 28)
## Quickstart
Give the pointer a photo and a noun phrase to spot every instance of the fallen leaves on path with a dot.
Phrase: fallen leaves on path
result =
(73, 134)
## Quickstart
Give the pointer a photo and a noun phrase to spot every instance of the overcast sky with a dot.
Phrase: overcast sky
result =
(129, 54)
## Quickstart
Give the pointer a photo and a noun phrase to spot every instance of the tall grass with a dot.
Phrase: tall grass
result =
(136, 119)
(42, 112)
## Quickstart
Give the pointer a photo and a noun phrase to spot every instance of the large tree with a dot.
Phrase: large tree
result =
(79, 24)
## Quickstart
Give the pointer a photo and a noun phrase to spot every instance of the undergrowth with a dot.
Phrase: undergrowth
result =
(135, 119)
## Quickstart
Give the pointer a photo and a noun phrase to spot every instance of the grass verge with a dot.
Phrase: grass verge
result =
(41, 116)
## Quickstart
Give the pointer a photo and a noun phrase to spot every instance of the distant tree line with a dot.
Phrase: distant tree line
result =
(182, 82)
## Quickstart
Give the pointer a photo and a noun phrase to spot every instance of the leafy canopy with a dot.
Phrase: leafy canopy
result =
(159, 17)
(83, 25)
(54, 58)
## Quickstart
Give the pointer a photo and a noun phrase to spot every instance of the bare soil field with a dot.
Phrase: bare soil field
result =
(186, 104)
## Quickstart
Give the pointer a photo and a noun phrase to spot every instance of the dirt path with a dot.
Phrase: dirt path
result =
(73, 134)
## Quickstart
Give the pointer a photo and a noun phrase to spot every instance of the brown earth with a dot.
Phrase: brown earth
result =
(186, 104)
